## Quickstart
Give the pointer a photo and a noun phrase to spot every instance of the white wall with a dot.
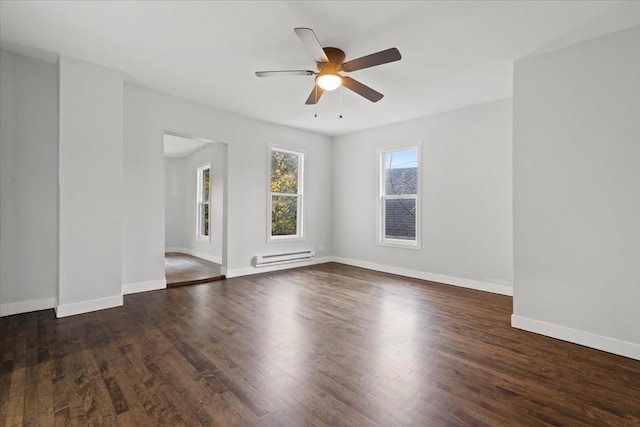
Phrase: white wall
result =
(175, 201)
(90, 187)
(466, 198)
(28, 184)
(181, 207)
(577, 193)
(148, 115)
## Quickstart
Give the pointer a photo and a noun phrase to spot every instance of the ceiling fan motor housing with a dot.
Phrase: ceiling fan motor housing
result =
(336, 58)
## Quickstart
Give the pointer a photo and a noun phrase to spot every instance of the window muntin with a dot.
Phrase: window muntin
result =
(285, 199)
(398, 202)
(203, 226)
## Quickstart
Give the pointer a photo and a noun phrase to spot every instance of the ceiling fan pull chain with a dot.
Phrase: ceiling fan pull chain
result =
(316, 103)
(341, 90)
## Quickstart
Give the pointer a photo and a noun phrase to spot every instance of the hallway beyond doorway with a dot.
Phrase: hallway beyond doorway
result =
(182, 269)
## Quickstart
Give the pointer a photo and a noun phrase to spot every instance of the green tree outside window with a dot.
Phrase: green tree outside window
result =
(285, 186)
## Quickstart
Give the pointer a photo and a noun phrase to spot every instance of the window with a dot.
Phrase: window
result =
(398, 202)
(285, 199)
(203, 209)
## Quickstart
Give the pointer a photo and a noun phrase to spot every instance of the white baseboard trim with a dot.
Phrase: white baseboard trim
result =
(203, 255)
(10, 308)
(440, 278)
(576, 336)
(246, 271)
(88, 306)
(433, 277)
(152, 285)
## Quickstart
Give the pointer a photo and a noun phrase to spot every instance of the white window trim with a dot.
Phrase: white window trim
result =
(199, 202)
(301, 181)
(381, 239)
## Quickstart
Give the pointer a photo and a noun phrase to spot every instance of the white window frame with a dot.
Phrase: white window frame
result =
(200, 202)
(382, 197)
(300, 195)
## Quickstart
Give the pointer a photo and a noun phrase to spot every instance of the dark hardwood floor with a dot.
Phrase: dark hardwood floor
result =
(322, 345)
(182, 269)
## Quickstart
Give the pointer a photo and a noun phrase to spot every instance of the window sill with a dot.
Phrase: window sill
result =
(285, 239)
(399, 244)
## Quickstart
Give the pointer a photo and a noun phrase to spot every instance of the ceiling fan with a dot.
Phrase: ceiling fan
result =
(330, 62)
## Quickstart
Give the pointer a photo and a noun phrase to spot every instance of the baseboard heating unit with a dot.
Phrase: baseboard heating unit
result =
(282, 258)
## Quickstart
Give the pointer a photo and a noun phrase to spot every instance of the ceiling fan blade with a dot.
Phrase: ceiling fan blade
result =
(284, 73)
(310, 41)
(372, 60)
(315, 95)
(361, 89)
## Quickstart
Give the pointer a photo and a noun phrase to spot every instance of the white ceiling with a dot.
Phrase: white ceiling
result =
(177, 147)
(455, 54)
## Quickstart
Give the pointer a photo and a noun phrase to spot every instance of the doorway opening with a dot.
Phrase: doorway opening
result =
(195, 187)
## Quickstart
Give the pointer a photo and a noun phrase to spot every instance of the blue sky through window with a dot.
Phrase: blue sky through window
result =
(401, 159)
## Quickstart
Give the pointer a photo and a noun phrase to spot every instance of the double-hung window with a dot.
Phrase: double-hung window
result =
(285, 198)
(398, 207)
(203, 203)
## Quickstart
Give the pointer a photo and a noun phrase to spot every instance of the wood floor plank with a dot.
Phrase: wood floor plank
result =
(322, 345)
(15, 407)
(44, 396)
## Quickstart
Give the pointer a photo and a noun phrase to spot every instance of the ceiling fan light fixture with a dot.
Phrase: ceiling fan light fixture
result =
(329, 81)
(330, 62)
